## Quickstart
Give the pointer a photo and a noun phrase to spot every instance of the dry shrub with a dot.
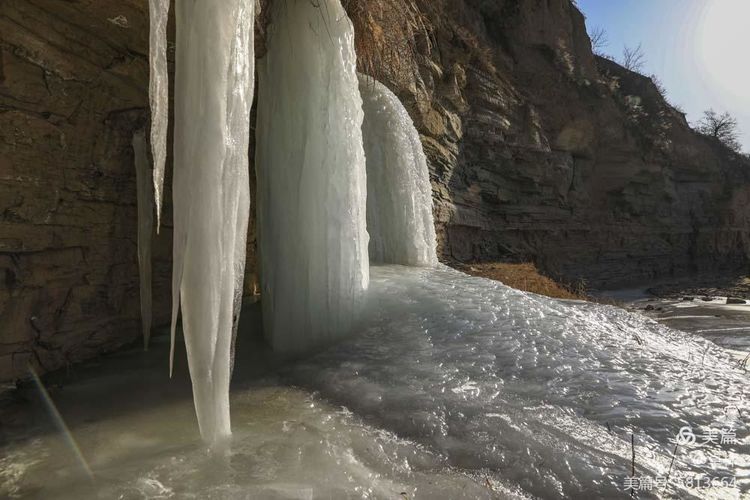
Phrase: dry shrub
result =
(525, 276)
(481, 54)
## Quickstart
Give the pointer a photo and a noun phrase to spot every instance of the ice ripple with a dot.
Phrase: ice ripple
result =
(547, 392)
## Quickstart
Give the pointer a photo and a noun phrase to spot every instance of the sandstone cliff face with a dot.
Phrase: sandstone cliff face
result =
(542, 151)
(73, 88)
(537, 150)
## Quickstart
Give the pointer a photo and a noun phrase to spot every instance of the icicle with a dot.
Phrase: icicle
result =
(399, 195)
(311, 176)
(145, 227)
(158, 91)
(211, 190)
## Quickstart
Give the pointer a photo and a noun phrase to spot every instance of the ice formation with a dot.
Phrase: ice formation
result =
(213, 95)
(454, 387)
(536, 391)
(538, 395)
(144, 188)
(311, 176)
(158, 91)
(399, 195)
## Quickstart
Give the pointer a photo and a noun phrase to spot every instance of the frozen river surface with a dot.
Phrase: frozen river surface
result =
(452, 387)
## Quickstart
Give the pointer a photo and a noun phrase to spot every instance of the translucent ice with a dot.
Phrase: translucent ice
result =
(213, 95)
(286, 444)
(399, 195)
(545, 393)
(145, 190)
(158, 91)
(454, 387)
(311, 176)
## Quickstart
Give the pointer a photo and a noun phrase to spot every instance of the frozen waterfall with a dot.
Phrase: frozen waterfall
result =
(311, 176)
(213, 95)
(144, 188)
(158, 91)
(399, 195)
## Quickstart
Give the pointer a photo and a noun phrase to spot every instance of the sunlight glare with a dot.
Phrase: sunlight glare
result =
(723, 42)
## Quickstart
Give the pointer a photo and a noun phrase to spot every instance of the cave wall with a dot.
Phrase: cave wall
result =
(537, 149)
(73, 88)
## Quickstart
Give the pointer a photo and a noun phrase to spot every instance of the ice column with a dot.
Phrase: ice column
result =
(158, 91)
(213, 95)
(311, 176)
(399, 195)
(145, 192)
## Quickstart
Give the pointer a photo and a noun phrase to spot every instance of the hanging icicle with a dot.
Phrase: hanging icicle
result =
(158, 91)
(211, 191)
(399, 194)
(145, 192)
(311, 176)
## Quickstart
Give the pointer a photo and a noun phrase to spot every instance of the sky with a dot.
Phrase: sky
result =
(700, 49)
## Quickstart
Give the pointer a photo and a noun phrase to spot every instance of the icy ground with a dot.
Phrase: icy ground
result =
(454, 387)
(727, 325)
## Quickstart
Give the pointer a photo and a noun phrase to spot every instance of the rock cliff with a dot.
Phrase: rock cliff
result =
(541, 151)
(538, 151)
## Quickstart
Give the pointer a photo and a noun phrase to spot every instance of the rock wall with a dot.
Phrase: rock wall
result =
(73, 88)
(541, 151)
(538, 151)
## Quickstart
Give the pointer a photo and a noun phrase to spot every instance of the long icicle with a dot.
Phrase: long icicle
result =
(213, 94)
(158, 91)
(145, 228)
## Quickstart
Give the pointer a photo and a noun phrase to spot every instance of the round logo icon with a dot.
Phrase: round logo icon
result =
(686, 436)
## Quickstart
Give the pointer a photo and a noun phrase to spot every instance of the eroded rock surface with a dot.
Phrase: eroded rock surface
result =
(72, 91)
(541, 151)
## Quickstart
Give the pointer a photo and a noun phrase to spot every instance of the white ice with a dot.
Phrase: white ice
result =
(310, 166)
(145, 190)
(453, 387)
(158, 91)
(540, 392)
(453, 377)
(213, 95)
(399, 194)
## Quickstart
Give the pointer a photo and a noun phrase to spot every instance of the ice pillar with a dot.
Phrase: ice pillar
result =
(145, 191)
(311, 176)
(399, 194)
(213, 96)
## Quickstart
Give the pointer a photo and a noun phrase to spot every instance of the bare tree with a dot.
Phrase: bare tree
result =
(633, 58)
(599, 40)
(722, 127)
(659, 86)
